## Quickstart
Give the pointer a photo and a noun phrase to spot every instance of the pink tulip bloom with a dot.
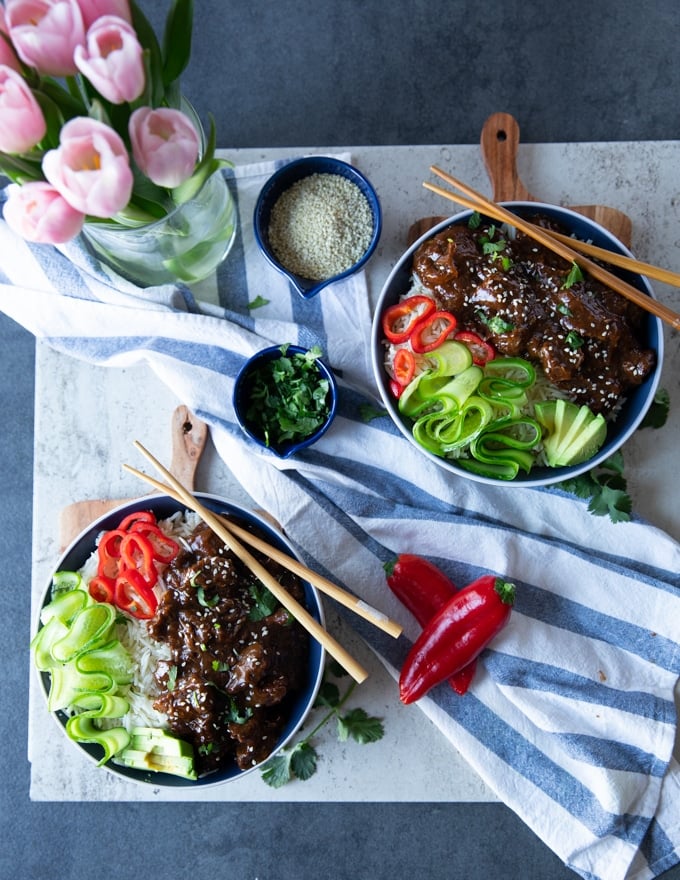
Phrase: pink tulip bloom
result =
(37, 212)
(94, 9)
(112, 60)
(7, 55)
(22, 124)
(164, 144)
(90, 168)
(45, 33)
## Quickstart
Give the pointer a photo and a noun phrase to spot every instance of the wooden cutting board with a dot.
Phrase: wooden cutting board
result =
(189, 436)
(499, 142)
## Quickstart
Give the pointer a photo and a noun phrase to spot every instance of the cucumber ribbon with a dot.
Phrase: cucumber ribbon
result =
(86, 664)
(456, 405)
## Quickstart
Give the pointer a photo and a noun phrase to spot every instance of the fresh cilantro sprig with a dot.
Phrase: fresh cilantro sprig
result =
(299, 761)
(605, 486)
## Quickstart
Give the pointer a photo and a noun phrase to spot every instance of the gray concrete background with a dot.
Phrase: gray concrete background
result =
(301, 73)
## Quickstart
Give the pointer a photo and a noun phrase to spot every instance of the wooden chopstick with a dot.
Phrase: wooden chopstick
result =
(363, 609)
(620, 260)
(298, 611)
(477, 202)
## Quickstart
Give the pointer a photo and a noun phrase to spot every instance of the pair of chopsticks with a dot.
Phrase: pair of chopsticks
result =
(230, 533)
(568, 248)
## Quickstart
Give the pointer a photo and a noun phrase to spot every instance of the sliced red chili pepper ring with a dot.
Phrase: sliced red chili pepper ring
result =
(164, 548)
(399, 320)
(108, 551)
(136, 553)
(102, 589)
(431, 331)
(134, 596)
(128, 522)
(481, 350)
(404, 366)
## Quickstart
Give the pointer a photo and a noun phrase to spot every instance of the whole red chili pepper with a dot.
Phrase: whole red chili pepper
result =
(423, 588)
(456, 635)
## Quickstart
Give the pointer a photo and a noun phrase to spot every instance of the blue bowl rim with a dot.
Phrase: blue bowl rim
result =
(304, 702)
(643, 395)
(281, 180)
(285, 450)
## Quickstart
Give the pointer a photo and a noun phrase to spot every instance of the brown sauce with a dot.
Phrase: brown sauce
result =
(512, 293)
(236, 660)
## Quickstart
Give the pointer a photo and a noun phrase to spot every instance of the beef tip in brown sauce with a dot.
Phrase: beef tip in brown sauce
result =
(518, 295)
(237, 656)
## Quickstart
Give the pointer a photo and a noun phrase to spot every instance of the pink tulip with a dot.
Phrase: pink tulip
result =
(112, 60)
(7, 54)
(45, 33)
(37, 212)
(90, 168)
(22, 124)
(164, 144)
(94, 9)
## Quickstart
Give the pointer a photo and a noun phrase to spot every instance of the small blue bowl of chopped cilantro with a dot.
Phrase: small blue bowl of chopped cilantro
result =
(285, 398)
(317, 221)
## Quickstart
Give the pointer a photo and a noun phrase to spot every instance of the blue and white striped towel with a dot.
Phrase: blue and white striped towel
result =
(571, 718)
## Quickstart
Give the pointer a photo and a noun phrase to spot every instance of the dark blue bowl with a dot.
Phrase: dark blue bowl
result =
(638, 399)
(281, 181)
(82, 547)
(242, 400)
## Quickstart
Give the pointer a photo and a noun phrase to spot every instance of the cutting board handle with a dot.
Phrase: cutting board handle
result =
(189, 436)
(499, 141)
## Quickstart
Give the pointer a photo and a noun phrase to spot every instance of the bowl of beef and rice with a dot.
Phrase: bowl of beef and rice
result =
(317, 221)
(194, 681)
(503, 363)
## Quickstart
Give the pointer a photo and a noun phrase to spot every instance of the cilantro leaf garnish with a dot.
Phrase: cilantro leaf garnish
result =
(573, 340)
(368, 412)
(606, 487)
(474, 220)
(299, 760)
(258, 303)
(358, 725)
(575, 275)
(658, 411)
(495, 324)
(264, 602)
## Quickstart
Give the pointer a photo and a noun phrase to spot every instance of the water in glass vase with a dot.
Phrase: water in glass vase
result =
(187, 245)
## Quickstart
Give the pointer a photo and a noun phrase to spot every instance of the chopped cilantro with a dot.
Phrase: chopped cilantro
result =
(234, 716)
(496, 324)
(574, 275)
(264, 601)
(573, 340)
(172, 678)
(258, 302)
(475, 220)
(206, 603)
(288, 397)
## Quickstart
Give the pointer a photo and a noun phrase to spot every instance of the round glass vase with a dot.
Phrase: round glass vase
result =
(186, 245)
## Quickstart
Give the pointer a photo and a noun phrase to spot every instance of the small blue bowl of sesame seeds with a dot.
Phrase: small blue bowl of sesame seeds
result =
(594, 349)
(317, 221)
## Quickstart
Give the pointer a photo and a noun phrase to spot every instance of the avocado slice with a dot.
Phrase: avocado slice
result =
(577, 433)
(587, 443)
(155, 749)
(544, 411)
